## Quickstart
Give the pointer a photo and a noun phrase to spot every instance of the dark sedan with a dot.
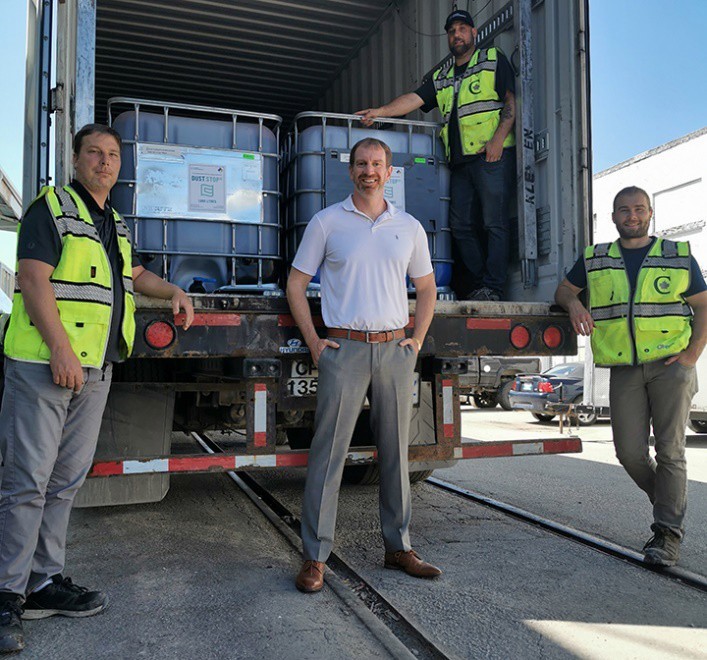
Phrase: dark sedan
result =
(541, 394)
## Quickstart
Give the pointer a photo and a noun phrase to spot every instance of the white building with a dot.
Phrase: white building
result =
(675, 177)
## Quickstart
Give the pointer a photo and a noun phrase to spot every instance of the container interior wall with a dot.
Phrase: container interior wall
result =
(404, 42)
(407, 46)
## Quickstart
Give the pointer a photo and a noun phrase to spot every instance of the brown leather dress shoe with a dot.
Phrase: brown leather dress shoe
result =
(411, 563)
(311, 576)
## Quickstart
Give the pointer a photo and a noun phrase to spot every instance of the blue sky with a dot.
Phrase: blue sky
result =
(648, 64)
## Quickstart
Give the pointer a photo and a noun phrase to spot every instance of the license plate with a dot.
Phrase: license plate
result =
(526, 386)
(303, 379)
(304, 375)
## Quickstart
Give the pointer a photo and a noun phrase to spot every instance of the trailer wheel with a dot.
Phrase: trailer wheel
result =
(543, 418)
(584, 419)
(299, 438)
(504, 396)
(362, 475)
(485, 400)
(369, 475)
(698, 425)
(420, 475)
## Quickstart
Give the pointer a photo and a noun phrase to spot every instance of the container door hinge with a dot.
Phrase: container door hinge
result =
(56, 98)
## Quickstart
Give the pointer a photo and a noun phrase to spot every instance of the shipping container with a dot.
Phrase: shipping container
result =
(242, 365)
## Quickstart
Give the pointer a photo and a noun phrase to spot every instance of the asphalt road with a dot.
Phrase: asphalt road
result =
(589, 491)
(203, 574)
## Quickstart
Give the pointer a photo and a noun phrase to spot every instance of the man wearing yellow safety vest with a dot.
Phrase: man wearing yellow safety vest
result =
(72, 318)
(475, 92)
(647, 319)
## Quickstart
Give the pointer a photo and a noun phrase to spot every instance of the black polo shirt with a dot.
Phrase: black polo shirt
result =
(39, 239)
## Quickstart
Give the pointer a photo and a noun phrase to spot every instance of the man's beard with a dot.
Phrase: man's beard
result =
(458, 50)
(633, 232)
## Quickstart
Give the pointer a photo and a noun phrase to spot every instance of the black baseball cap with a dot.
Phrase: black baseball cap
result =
(459, 15)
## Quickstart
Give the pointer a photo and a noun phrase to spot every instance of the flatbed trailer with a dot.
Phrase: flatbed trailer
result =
(242, 367)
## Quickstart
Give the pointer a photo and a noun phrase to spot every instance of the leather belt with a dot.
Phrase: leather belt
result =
(370, 337)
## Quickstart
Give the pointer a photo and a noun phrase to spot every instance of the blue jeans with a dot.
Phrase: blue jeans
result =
(478, 218)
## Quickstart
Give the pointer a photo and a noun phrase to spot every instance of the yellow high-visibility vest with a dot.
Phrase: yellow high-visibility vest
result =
(656, 322)
(83, 287)
(478, 105)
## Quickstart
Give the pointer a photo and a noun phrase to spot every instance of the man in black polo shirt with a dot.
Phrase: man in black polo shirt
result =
(476, 95)
(72, 318)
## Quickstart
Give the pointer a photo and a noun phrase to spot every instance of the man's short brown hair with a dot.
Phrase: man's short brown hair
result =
(90, 129)
(371, 142)
(632, 190)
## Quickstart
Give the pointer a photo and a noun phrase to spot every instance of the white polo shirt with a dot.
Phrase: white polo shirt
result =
(363, 264)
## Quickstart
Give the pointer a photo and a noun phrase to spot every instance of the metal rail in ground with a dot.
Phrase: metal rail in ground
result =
(675, 573)
(401, 637)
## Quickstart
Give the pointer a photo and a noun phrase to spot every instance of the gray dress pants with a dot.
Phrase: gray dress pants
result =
(344, 377)
(661, 395)
(48, 436)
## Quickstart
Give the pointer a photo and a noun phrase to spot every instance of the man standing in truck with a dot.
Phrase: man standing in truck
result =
(365, 248)
(647, 319)
(475, 92)
(72, 319)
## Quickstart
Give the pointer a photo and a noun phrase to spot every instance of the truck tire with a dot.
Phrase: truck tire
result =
(585, 419)
(698, 425)
(420, 475)
(299, 438)
(543, 418)
(362, 475)
(485, 400)
(369, 475)
(504, 396)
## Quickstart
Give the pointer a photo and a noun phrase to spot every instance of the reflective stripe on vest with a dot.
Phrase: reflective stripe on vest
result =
(82, 283)
(656, 323)
(478, 105)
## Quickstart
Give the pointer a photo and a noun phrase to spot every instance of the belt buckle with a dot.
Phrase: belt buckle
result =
(368, 335)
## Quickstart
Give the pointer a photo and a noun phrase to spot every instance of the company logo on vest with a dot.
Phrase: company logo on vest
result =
(662, 284)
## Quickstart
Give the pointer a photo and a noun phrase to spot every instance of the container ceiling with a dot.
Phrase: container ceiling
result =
(270, 56)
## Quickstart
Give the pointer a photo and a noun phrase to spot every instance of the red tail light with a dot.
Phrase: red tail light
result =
(552, 336)
(514, 386)
(159, 334)
(520, 336)
(545, 386)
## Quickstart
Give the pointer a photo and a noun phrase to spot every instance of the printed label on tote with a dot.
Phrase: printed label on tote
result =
(207, 188)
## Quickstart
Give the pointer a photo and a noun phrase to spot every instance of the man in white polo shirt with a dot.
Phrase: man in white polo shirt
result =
(365, 247)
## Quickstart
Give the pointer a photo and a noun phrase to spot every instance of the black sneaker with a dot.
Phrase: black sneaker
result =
(663, 548)
(11, 635)
(65, 598)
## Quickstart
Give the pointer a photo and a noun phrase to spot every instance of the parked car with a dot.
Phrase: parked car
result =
(543, 394)
(488, 379)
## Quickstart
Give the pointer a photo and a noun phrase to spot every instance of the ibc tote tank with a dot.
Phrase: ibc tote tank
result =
(199, 189)
(316, 158)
